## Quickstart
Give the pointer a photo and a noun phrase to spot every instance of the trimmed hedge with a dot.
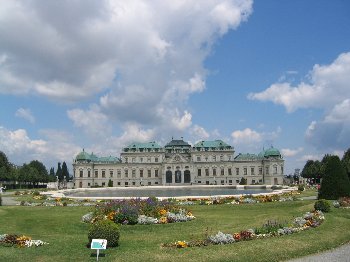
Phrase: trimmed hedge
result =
(105, 229)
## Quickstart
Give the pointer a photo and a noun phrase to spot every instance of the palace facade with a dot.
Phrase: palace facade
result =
(178, 163)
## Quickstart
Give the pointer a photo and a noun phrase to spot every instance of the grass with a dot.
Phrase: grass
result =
(61, 227)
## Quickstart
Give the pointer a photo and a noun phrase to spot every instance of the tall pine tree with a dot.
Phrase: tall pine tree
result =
(59, 173)
(65, 172)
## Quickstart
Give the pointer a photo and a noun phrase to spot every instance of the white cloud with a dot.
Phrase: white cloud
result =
(20, 148)
(142, 59)
(329, 85)
(199, 132)
(246, 136)
(291, 152)
(25, 114)
(333, 131)
(92, 121)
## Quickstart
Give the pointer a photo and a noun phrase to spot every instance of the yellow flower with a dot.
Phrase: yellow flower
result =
(111, 215)
(181, 244)
(163, 220)
(58, 199)
(21, 241)
(162, 212)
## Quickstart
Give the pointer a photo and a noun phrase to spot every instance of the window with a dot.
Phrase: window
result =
(149, 172)
(267, 170)
(206, 158)
(222, 171)
(282, 170)
(199, 182)
(198, 158)
(229, 158)
(126, 173)
(133, 159)
(237, 181)
(230, 181)
(199, 172)
(103, 184)
(214, 172)
(103, 173)
(214, 158)
(149, 183)
(221, 158)
(89, 173)
(156, 159)
(253, 181)
(237, 171)
(207, 182)
(118, 183)
(245, 171)
(206, 172)
(141, 172)
(156, 183)
(133, 183)
(222, 182)
(133, 173)
(260, 170)
(156, 172)
(88, 184)
(119, 173)
(96, 173)
(252, 171)
(148, 159)
(141, 159)
(126, 160)
(229, 172)
(110, 173)
(275, 169)
(126, 183)
(81, 173)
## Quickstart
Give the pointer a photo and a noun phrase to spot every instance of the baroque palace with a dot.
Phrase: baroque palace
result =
(178, 163)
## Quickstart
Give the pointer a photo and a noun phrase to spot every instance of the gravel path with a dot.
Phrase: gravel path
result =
(339, 254)
(8, 200)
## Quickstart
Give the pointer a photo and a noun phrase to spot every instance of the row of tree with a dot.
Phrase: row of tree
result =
(315, 170)
(30, 174)
(333, 173)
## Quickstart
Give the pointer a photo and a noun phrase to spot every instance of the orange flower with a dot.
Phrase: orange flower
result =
(181, 244)
(163, 220)
(162, 212)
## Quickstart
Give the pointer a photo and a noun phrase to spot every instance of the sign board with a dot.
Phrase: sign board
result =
(99, 244)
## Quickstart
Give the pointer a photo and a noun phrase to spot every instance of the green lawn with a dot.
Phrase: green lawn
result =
(61, 227)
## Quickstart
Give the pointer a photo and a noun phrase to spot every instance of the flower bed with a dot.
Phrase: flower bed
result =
(269, 229)
(139, 211)
(10, 240)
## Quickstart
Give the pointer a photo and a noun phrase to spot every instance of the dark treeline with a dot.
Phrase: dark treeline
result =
(32, 175)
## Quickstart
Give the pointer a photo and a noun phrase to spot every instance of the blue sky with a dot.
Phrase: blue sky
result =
(101, 74)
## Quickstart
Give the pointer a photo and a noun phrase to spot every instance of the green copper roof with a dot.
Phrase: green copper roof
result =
(246, 157)
(212, 144)
(84, 156)
(270, 152)
(143, 145)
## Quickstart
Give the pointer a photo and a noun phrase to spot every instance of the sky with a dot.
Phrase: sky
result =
(101, 74)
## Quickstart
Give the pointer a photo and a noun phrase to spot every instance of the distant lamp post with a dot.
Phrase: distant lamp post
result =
(57, 183)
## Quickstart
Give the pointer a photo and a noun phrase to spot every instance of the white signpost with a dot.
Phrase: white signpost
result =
(98, 244)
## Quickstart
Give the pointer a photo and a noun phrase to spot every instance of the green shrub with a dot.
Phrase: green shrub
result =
(322, 205)
(36, 193)
(0, 201)
(301, 187)
(105, 229)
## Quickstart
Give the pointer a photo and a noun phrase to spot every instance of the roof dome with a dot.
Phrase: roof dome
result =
(83, 156)
(271, 152)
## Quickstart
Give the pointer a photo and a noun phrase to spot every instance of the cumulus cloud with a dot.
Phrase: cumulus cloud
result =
(25, 114)
(142, 59)
(92, 121)
(246, 136)
(199, 133)
(20, 148)
(287, 152)
(332, 132)
(329, 85)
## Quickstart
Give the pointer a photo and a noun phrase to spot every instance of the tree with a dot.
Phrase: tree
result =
(335, 183)
(5, 167)
(43, 176)
(110, 183)
(313, 170)
(243, 181)
(28, 174)
(346, 162)
(65, 172)
(59, 173)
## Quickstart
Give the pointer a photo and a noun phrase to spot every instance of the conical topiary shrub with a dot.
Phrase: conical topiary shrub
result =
(335, 182)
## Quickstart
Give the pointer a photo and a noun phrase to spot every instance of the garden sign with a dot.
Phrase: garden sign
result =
(98, 244)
